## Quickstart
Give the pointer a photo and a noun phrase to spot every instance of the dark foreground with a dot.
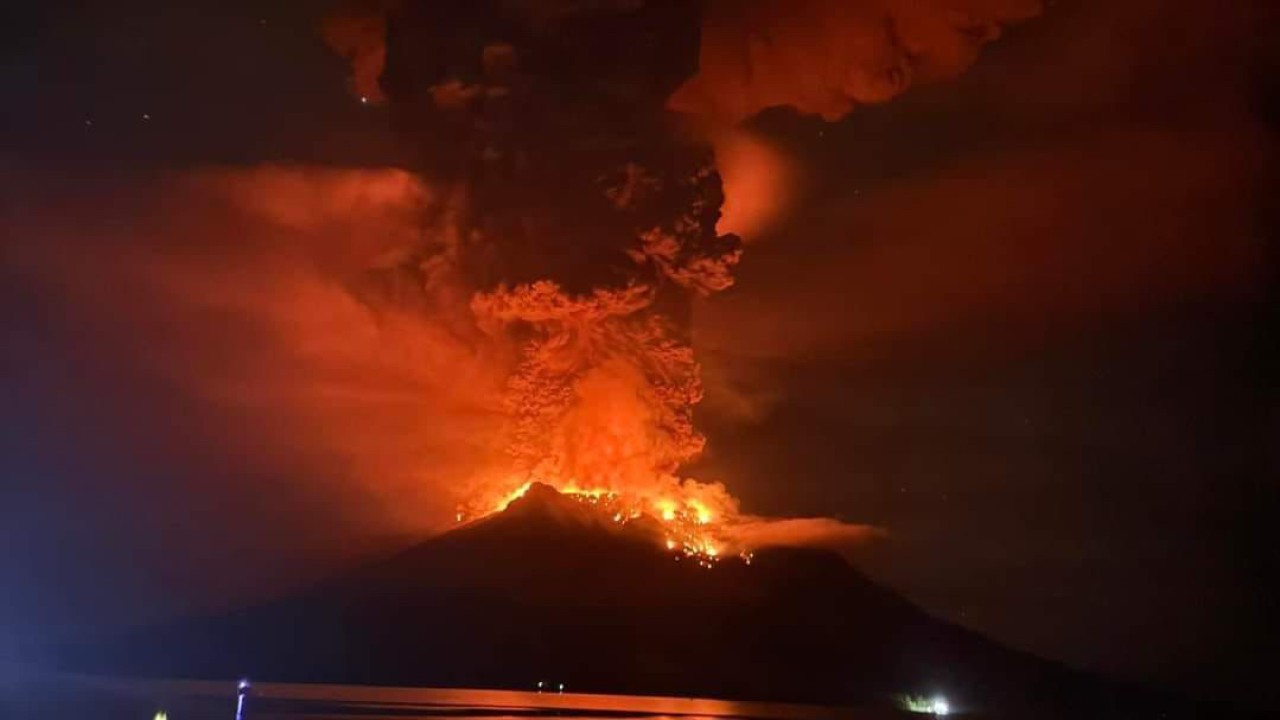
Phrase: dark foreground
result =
(552, 590)
(102, 698)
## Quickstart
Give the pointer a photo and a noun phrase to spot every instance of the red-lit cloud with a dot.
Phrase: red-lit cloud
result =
(287, 303)
(826, 57)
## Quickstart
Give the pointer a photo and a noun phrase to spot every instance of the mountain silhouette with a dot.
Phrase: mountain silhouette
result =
(551, 590)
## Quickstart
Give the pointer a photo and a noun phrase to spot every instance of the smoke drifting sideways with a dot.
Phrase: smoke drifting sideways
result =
(826, 57)
(1077, 185)
(285, 303)
(818, 57)
(324, 345)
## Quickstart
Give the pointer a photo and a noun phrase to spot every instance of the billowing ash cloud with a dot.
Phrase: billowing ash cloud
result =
(585, 224)
(516, 310)
(826, 57)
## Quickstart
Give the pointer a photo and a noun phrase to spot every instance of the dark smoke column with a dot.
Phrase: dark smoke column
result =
(548, 116)
(582, 219)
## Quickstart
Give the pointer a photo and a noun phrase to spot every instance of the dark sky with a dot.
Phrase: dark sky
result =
(1022, 320)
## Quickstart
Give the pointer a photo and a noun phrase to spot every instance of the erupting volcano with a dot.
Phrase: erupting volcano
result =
(586, 344)
(687, 526)
(553, 589)
(574, 146)
(574, 218)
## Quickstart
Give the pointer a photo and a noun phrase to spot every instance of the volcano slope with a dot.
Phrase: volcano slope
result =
(553, 590)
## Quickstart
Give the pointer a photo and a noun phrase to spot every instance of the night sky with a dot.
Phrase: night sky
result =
(1023, 321)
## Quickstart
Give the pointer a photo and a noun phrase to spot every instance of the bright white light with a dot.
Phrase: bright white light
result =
(940, 707)
(161, 715)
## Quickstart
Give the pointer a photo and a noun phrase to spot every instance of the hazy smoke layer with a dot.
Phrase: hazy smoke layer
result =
(825, 57)
(291, 303)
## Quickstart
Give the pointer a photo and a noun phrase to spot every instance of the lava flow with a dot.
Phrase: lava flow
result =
(690, 526)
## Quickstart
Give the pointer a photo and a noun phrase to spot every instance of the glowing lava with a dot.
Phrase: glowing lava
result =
(690, 524)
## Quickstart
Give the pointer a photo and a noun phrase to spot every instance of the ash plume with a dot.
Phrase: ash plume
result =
(586, 225)
(514, 308)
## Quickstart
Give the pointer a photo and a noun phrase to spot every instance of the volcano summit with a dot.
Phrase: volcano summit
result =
(553, 589)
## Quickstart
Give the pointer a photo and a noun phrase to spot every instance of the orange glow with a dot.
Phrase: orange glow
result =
(688, 522)
(432, 417)
(827, 57)
(760, 183)
(697, 520)
(600, 406)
